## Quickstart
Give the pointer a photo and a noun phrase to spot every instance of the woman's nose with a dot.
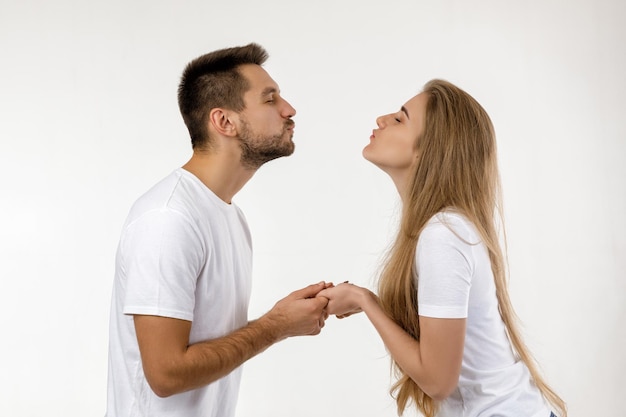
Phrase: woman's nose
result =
(380, 121)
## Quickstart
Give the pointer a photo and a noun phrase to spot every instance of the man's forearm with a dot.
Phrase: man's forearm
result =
(172, 366)
(205, 362)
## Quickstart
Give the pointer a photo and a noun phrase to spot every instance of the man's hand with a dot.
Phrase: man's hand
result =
(300, 313)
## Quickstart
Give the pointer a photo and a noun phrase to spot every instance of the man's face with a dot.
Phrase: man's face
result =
(265, 127)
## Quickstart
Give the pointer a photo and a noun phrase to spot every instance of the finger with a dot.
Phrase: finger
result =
(322, 302)
(310, 291)
(319, 301)
(344, 315)
(318, 328)
(324, 293)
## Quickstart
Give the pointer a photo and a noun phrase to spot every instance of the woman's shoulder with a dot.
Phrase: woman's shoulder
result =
(452, 223)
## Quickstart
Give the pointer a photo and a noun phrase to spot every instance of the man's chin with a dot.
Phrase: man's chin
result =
(287, 149)
(261, 159)
(291, 149)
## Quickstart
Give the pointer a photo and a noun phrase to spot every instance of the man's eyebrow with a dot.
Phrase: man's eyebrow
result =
(268, 90)
(405, 112)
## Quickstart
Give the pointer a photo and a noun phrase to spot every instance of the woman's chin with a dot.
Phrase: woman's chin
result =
(367, 154)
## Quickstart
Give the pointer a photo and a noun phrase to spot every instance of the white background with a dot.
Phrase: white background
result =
(89, 121)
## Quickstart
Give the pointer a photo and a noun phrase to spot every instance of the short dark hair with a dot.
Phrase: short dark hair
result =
(213, 80)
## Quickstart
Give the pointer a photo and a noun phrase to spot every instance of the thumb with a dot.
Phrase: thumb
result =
(319, 302)
(310, 291)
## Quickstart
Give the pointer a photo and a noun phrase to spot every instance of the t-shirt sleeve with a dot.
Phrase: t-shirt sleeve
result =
(444, 271)
(162, 256)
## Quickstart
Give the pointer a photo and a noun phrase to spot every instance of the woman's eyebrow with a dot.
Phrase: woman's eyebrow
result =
(405, 112)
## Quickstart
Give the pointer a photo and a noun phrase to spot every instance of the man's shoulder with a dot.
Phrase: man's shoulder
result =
(158, 195)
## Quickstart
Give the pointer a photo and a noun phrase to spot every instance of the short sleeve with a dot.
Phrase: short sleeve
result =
(162, 256)
(444, 271)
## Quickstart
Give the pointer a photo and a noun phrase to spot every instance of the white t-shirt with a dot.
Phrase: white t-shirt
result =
(186, 254)
(455, 280)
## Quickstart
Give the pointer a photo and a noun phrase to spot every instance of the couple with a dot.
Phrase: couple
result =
(179, 330)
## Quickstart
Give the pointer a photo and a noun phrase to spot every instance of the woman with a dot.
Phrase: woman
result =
(443, 309)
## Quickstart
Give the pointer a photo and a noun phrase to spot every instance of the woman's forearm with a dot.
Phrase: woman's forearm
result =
(423, 367)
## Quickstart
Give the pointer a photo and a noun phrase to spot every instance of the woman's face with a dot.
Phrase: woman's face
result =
(392, 146)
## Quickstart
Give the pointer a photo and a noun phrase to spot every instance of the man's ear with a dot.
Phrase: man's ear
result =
(223, 121)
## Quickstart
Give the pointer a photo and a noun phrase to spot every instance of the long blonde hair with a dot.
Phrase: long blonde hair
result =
(456, 169)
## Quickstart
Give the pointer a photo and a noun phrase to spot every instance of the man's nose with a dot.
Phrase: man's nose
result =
(288, 110)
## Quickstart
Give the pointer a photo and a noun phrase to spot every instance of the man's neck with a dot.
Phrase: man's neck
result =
(222, 174)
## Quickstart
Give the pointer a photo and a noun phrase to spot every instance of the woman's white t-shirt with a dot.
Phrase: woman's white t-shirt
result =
(455, 280)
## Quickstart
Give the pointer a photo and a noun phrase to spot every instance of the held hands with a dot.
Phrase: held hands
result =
(345, 299)
(303, 312)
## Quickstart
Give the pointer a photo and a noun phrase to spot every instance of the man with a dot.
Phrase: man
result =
(179, 329)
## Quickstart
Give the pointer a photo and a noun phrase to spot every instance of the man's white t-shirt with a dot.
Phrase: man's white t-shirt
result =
(185, 254)
(455, 280)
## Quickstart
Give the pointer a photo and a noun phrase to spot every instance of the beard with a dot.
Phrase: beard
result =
(257, 149)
